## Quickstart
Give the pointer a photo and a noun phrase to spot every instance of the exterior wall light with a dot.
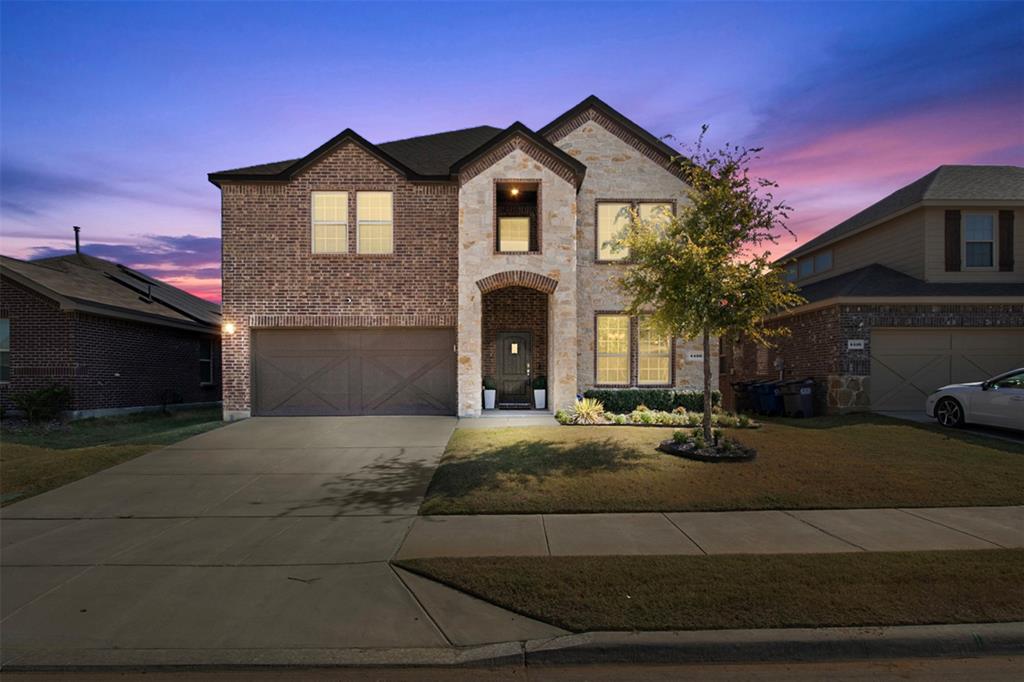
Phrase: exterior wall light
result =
(228, 328)
(515, 191)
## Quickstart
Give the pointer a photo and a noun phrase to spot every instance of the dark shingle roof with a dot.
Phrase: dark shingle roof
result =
(945, 183)
(104, 285)
(879, 281)
(434, 154)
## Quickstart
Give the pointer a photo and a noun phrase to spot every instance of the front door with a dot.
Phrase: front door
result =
(513, 369)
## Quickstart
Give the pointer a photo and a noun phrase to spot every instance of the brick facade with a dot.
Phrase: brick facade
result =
(817, 345)
(272, 278)
(516, 309)
(106, 362)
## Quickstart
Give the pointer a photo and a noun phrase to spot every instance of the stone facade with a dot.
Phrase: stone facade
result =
(617, 170)
(271, 278)
(555, 262)
(108, 363)
(817, 346)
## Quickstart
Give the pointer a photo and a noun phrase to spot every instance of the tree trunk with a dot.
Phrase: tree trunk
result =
(707, 388)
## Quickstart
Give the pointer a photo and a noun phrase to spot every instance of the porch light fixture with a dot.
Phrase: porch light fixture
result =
(228, 328)
(514, 191)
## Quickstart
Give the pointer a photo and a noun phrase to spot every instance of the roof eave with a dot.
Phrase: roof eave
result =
(579, 169)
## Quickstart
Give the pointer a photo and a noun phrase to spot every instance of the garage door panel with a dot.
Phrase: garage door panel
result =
(351, 372)
(909, 364)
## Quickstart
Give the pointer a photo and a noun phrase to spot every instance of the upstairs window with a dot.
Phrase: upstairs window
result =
(814, 265)
(613, 350)
(5, 350)
(654, 353)
(655, 211)
(375, 222)
(613, 218)
(517, 216)
(205, 361)
(979, 240)
(330, 222)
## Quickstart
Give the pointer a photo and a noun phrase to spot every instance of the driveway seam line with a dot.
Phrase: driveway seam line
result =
(544, 526)
(423, 608)
(48, 592)
(953, 528)
(832, 535)
(685, 534)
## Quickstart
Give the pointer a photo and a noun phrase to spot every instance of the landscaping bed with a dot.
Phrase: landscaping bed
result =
(745, 591)
(40, 457)
(821, 463)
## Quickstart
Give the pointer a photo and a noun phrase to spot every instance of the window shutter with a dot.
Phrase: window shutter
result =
(1006, 241)
(952, 241)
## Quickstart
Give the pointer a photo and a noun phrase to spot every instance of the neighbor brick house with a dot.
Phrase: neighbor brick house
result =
(921, 289)
(393, 278)
(119, 340)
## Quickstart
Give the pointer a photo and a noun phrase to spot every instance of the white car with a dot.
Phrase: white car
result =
(998, 401)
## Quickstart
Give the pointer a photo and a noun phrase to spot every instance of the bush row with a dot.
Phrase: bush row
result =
(624, 400)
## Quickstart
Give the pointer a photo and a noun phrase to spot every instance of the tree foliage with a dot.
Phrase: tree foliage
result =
(706, 271)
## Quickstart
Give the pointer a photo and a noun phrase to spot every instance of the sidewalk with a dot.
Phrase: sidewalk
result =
(748, 532)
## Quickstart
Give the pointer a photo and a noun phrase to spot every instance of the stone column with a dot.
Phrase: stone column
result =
(470, 362)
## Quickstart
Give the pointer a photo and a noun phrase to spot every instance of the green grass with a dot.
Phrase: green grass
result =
(40, 458)
(745, 591)
(828, 462)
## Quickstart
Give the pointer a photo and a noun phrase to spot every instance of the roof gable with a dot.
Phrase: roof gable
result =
(518, 136)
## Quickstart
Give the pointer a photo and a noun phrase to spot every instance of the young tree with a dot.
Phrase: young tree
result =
(704, 272)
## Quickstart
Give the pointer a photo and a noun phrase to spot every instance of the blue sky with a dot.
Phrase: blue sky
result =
(112, 113)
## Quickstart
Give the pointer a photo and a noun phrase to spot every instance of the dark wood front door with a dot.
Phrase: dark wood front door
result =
(514, 369)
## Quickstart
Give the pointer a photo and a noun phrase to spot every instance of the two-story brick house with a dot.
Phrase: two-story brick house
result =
(921, 289)
(393, 278)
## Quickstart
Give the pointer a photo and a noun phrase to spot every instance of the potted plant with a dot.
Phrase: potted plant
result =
(490, 392)
(540, 391)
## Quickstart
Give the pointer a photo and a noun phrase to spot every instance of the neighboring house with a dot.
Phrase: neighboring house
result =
(922, 289)
(118, 339)
(392, 278)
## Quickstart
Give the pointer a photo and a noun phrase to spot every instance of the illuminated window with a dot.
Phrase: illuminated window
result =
(374, 222)
(613, 349)
(979, 240)
(612, 218)
(653, 355)
(330, 222)
(655, 212)
(513, 234)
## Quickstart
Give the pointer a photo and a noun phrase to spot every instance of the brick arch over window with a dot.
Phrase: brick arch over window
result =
(517, 278)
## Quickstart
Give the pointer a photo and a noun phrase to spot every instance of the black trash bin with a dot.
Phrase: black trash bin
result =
(791, 397)
(769, 397)
(744, 394)
(807, 398)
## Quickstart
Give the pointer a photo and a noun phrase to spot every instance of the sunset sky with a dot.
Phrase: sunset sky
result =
(113, 114)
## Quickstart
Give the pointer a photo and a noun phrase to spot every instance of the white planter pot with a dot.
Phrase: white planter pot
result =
(540, 398)
(489, 395)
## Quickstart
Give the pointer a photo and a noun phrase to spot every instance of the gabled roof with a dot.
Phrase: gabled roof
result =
(102, 287)
(945, 184)
(878, 281)
(439, 157)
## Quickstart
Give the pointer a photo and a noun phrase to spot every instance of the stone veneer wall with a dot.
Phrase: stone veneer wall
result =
(617, 171)
(557, 261)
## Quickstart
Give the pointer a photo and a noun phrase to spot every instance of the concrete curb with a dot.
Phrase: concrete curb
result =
(705, 646)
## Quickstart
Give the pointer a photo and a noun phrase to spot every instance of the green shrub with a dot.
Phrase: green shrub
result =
(619, 419)
(540, 383)
(490, 384)
(43, 404)
(562, 417)
(626, 400)
(743, 421)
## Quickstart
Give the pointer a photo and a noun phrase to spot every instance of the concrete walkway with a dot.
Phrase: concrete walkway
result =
(753, 532)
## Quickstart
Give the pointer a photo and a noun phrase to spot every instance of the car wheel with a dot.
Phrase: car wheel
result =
(949, 413)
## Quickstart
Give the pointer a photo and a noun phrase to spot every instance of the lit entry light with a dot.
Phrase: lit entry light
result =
(228, 328)
(515, 191)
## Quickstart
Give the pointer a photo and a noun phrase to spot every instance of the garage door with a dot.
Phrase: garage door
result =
(354, 371)
(908, 364)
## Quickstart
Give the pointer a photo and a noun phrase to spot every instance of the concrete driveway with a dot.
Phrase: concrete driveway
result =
(270, 534)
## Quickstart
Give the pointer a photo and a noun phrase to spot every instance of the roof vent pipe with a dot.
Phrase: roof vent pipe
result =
(78, 249)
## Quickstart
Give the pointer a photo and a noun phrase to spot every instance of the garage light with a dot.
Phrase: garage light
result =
(228, 328)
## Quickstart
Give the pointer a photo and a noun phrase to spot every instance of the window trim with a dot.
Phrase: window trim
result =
(668, 355)
(634, 355)
(994, 241)
(313, 223)
(634, 204)
(6, 352)
(359, 223)
(629, 349)
(209, 360)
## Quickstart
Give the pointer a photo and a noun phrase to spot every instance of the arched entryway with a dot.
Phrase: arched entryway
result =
(514, 343)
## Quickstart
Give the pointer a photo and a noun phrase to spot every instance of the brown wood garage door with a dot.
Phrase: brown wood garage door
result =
(354, 371)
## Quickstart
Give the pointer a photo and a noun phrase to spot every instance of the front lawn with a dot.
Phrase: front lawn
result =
(745, 591)
(827, 462)
(39, 458)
